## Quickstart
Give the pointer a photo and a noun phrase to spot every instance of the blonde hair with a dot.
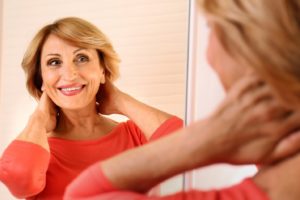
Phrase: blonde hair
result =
(264, 35)
(78, 32)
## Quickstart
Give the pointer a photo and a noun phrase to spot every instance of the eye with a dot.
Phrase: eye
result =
(82, 58)
(54, 62)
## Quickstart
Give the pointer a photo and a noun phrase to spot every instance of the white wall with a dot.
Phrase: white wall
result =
(204, 94)
(150, 36)
(1, 31)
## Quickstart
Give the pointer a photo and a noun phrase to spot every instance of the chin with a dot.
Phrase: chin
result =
(72, 107)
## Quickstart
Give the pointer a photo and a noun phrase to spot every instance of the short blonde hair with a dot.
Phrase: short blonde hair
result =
(78, 32)
(264, 35)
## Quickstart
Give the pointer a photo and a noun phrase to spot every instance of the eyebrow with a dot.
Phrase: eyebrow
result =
(78, 50)
(53, 54)
(56, 54)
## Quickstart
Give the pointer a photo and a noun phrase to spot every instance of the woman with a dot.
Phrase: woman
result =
(260, 38)
(70, 66)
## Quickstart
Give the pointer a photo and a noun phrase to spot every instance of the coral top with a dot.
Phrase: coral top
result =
(92, 184)
(29, 171)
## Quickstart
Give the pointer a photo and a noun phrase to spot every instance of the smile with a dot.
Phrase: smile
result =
(71, 91)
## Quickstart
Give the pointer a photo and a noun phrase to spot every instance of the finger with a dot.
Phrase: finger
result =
(289, 124)
(43, 97)
(244, 85)
(267, 112)
(46, 102)
(286, 147)
(273, 124)
(257, 95)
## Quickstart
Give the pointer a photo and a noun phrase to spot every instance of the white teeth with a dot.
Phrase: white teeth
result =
(71, 89)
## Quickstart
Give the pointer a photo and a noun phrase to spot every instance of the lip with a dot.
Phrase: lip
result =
(71, 90)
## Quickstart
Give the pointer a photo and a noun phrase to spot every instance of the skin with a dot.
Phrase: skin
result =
(249, 126)
(257, 138)
(227, 69)
(65, 65)
(280, 180)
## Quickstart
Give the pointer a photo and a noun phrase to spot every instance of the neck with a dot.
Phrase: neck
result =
(73, 121)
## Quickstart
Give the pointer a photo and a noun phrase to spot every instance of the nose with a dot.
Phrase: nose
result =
(70, 72)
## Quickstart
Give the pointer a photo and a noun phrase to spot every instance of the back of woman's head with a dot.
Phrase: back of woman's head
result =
(264, 35)
(78, 32)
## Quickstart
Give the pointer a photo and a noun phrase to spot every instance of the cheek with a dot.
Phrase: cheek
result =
(217, 59)
(212, 52)
(97, 74)
(49, 78)
(94, 76)
(213, 58)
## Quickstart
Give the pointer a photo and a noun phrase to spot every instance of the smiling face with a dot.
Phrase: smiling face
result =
(226, 67)
(71, 75)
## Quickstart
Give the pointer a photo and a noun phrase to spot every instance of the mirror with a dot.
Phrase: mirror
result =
(203, 86)
(149, 36)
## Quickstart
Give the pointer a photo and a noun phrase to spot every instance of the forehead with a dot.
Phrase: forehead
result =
(55, 44)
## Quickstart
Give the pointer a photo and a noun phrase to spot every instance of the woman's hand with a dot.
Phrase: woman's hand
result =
(109, 99)
(252, 126)
(113, 101)
(46, 111)
(42, 121)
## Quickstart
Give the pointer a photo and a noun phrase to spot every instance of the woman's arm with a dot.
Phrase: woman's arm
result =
(142, 168)
(23, 168)
(247, 190)
(151, 166)
(114, 101)
(24, 163)
(42, 121)
(243, 130)
(250, 126)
